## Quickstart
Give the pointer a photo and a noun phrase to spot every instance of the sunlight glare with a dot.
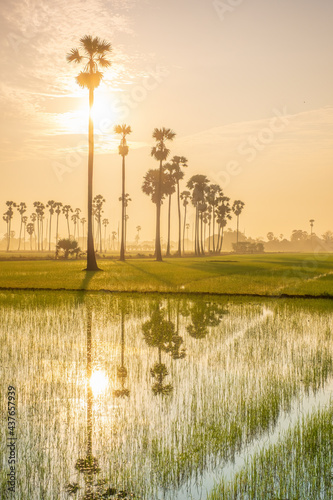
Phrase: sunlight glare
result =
(98, 382)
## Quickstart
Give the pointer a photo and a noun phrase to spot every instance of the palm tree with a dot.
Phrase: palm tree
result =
(57, 209)
(24, 221)
(223, 215)
(51, 205)
(30, 231)
(125, 199)
(33, 218)
(66, 209)
(178, 162)
(40, 207)
(123, 130)
(137, 238)
(105, 223)
(214, 193)
(22, 208)
(83, 221)
(160, 152)
(97, 206)
(114, 237)
(187, 229)
(185, 196)
(7, 217)
(95, 55)
(169, 169)
(156, 186)
(237, 209)
(311, 225)
(198, 185)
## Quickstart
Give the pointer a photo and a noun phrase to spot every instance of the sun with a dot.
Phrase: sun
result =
(98, 382)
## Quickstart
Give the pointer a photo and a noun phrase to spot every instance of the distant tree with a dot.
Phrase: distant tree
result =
(179, 162)
(160, 152)
(39, 208)
(66, 210)
(83, 222)
(57, 209)
(270, 236)
(223, 213)
(299, 235)
(51, 205)
(185, 197)
(33, 218)
(124, 131)
(137, 238)
(69, 247)
(30, 231)
(213, 195)
(114, 237)
(157, 187)
(24, 221)
(169, 169)
(328, 237)
(105, 223)
(187, 229)
(7, 217)
(311, 225)
(237, 208)
(22, 208)
(197, 184)
(98, 203)
(95, 55)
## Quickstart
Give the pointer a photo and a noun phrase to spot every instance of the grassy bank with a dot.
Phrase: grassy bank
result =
(268, 274)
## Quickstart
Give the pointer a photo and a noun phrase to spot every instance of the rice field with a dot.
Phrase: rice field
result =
(151, 397)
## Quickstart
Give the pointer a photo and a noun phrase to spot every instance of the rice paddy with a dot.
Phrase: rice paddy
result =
(149, 397)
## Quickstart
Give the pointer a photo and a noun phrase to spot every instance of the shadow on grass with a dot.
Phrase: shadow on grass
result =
(152, 275)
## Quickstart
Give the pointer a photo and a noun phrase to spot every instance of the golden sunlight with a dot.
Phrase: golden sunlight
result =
(98, 382)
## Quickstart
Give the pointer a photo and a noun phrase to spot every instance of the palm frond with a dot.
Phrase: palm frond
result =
(103, 62)
(89, 80)
(74, 56)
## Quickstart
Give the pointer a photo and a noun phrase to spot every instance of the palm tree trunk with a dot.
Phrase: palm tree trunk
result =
(57, 230)
(209, 224)
(122, 245)
(91, 257)
(237, 229)
(19, 245)
(213, 228)
(50, 232)
(69, 235)
(169, 216)
(158, 252)
(179, 223)
(100, 235)
(184, 228)
(201, 235)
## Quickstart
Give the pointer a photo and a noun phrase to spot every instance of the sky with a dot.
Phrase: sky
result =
(245, 84)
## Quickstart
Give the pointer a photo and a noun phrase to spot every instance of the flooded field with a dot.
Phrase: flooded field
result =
(152, 396)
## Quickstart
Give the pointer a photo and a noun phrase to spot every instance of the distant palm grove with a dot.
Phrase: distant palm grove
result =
(39, 228)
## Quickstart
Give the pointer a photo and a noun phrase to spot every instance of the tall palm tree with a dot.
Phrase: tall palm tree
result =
(169, 169)
(137, 238)
(24, 222)
(160, 152)
(22, 208)
(83, 221)
(123, 130)
(30, 231)
(185, 196)
(7, 217)
(178, 162)
(311, 225)
(237, 209)
(57, 209)
(97, 206)
(198, 185)
(51, 205)
(95, 55)
(105, 224)
(66, 209)
(214, 193)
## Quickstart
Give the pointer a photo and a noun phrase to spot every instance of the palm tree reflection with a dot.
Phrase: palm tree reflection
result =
(122, 370)
(88, 466)
(204, 315)
(160, 333)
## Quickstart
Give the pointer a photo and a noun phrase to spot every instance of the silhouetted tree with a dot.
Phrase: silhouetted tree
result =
(105, 223)
(213, 197)
(160, 152)
(7, 217)
(22, 208)
(185, 197)
(169, 169)
(223, 212)
(311, 225)
(98, 203)
(30, 231)
(66, 210)
(95, 54)
(57, 209)
(69, 247)
(237, 208)
(198, 185)
(51, 205)
(123, 130)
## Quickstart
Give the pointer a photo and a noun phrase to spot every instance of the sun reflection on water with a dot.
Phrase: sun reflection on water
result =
(98, 382)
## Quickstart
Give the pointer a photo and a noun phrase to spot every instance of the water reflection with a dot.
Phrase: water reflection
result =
(204, 314)
(122, 370)
(161, 333)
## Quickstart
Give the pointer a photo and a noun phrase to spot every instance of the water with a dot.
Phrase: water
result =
(163, 394)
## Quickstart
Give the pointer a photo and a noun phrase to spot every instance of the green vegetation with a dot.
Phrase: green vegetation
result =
(274, 274)
(298, 466)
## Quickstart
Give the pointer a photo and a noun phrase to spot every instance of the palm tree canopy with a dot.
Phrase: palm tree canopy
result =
(151, 183)
(95, 52)
(237, 207)
(160, 152)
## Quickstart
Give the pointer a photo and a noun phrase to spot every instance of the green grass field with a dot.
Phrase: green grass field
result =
(267, 274)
